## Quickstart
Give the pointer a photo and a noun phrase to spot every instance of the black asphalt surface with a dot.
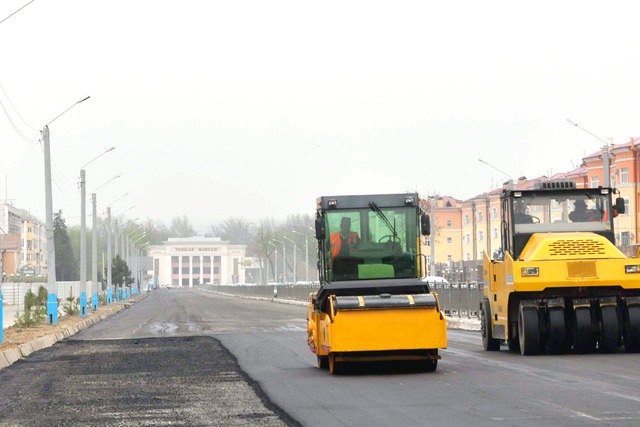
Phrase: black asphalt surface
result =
(470, 387)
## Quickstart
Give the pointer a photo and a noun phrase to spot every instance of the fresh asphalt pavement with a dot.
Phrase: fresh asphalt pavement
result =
(470, 387)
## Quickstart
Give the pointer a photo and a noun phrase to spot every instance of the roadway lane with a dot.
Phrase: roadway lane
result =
(470, 386)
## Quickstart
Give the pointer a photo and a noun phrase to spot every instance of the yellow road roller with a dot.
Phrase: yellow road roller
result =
(560, 284)
(372, 304)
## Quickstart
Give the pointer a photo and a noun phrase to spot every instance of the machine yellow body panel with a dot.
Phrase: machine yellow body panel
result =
(371, 330)
(564, 260)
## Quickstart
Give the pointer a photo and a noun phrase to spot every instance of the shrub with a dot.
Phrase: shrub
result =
(30, 318)
(43, 296)
(72, 308)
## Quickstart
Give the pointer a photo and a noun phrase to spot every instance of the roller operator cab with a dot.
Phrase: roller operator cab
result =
(371, 304)
(560, 284)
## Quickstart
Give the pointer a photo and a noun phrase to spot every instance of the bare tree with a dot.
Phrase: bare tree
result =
(181, 227)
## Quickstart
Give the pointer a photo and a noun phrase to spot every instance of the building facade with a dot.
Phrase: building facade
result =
(196, 261)
(34, 248)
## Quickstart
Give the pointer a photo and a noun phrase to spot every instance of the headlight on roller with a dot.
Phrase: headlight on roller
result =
(632, 268)
(530, 271)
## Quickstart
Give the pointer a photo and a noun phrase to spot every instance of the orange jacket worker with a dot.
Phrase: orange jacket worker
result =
(345, 240)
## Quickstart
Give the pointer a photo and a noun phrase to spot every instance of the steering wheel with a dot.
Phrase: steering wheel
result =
(535, 217)
(390, 238)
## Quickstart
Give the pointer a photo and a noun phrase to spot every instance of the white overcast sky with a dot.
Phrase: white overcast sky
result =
(255, 108)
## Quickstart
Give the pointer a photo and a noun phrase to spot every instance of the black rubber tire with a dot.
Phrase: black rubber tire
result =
(632, 330)
(583, 340)
(556, 333)
(514, 344)
(323, 362)
(528, 333)
(609, 338)
(430, 365)
(488, 342)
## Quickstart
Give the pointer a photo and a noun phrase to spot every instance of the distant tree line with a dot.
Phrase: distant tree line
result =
(239, 231)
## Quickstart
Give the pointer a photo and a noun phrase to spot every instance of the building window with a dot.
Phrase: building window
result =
(427, 241)
(624, 175)
(468, 256)
(479, 216)
(196, 270)
(175, 270)
(626, 238)
(207, 270)
(216, 270)
(449, 259)
(449, 240)
(185, 259)
(428, 259)
(174, 259)
(185, 270)
(449, 223)
(481, 235)
(626, 205)
(595, 182)
(466, 218)
(494, 213)
(495, 233)
(468, 238)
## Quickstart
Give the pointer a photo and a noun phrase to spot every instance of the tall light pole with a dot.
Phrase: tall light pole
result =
(136, 254)
(295, 256)
(284, 261)
(275, 264)
(605, 154)
(94, 245)
(83, 235)
(306, 254)
(52, 301)
(109, 292)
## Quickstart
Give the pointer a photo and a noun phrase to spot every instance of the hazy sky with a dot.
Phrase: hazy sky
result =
(255, 108)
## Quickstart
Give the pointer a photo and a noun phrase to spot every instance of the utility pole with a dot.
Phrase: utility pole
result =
(52, 302)
(109, 293)
(94, 254)
(295, 255)
(432, 237)
(83, 246)
(306, 254)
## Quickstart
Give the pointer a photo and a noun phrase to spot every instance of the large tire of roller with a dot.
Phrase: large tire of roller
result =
(335, 367)
(488, 342)
(528, 329)
(556, 336)
(323, 362)
(632, 330)
(608, 329)
(583, 340)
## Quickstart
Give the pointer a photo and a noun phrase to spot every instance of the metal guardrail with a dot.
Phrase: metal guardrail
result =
(457, 299)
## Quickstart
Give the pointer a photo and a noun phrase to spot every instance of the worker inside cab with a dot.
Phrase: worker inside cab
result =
(345, 241)
(582, 214)
(520, 216)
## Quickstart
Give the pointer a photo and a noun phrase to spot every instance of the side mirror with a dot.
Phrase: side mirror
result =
(425, 225)
(320, 229)
(620, 205)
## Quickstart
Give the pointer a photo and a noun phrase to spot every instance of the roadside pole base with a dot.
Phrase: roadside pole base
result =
(117, 295)
(52, 309)
(109, 297)
(94, 301)
(83, 304)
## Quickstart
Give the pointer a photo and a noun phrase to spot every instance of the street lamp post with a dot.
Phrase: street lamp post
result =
(306, 255)
(94, 245)
(52, 301)
(275, 264)
(295, 256)
(83, 235)
(284, 261)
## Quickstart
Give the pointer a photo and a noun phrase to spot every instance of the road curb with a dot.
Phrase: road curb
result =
(452, 322)
(9, 357)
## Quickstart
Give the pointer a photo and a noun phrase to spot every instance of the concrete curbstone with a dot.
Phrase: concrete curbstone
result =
(38, 344)
(3, 361)
(13, 355)
(26, 349)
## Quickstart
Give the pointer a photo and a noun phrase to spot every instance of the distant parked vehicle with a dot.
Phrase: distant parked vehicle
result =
(302, 283)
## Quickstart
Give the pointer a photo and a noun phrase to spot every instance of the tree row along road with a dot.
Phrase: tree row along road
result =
(269, 341)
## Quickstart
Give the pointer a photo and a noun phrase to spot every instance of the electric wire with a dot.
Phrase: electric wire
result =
(32, 141)
(17, 11)
(16, 110)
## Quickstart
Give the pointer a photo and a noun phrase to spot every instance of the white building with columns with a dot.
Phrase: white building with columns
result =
(197, 260)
